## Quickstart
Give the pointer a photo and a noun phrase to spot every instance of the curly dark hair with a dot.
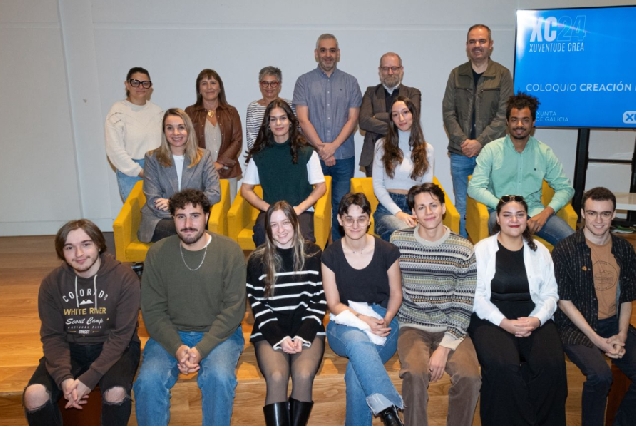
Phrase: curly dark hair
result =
(520, 101)
(600, 194)
(393, 155)
(265, 138)
(188, 196)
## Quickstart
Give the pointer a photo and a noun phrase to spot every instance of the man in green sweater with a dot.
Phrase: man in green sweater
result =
(439, 276)
(192, 301)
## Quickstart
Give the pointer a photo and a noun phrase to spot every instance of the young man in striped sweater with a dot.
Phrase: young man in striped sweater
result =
(439, 276)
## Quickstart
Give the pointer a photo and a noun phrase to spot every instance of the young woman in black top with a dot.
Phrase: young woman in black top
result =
(517, 343)
(284, 288)
(363, 269)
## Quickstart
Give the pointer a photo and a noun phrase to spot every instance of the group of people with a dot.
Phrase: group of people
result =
(505, 305)
(497, 317)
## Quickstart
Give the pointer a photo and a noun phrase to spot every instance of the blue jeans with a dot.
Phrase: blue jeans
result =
(341, 174)
(461, 168)
(553, 231)
(126, 183)
(216, 379)
(385, 222)
(369, 388)
(598, 377)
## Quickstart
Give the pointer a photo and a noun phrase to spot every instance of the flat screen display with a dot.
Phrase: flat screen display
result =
(581, 65)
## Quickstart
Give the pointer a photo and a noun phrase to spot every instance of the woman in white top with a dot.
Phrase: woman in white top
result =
(270, 81)
(176, 165)
(402, 159)
(132, 128)
(519, 349)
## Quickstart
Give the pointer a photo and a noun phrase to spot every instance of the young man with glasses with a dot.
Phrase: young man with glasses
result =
(596, 274)
(375, 112)
(517, 164)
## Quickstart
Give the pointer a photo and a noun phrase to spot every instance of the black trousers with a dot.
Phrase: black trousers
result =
(121, 374)
(523, 380)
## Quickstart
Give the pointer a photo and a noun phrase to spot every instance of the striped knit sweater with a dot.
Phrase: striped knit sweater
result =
(298, 305)
(438, 284)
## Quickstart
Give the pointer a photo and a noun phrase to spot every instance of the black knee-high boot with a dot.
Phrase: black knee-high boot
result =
(276, 414)
(299, 412)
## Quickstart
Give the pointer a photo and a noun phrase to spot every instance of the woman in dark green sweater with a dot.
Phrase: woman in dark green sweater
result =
(286, 167)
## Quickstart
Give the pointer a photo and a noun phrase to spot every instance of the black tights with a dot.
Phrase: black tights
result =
(276, 365)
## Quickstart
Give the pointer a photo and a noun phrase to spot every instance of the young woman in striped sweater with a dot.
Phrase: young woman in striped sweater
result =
(284, 288)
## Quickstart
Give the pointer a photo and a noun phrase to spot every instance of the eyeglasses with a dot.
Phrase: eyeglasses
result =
(360, 221)
(144, 83)
(594, 214)
(273, 85)
(387, 69)
(511, 198)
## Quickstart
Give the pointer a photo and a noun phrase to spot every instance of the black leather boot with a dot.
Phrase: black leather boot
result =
(299, 412)
(276, 414)
(390, 417)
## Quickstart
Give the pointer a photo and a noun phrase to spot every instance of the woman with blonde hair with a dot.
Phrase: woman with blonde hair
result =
(284, 288)
(177, 164)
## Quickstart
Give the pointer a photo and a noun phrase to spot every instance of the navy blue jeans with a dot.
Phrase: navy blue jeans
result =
(341, 174)
(598, 376)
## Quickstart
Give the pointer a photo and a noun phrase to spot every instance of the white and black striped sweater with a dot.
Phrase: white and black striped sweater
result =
(298, 305)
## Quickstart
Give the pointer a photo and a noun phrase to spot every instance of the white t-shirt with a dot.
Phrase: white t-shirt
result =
(178, 164)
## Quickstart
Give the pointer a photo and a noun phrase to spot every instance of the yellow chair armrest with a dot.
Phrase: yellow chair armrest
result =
(126, 224)
(568, 215)
(451, 218)
(476, 220)
(322, 216)
(238, 217)
(217, 223)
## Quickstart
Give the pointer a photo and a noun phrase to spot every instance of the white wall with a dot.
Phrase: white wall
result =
(63, 64)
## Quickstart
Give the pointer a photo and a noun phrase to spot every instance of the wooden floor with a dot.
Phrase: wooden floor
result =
(24, 261)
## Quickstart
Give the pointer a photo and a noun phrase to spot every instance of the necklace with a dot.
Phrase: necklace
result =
(211, 113)
(202, 259)
(359, 251)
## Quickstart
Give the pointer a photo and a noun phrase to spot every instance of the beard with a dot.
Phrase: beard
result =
(190, 240)
(391, 81)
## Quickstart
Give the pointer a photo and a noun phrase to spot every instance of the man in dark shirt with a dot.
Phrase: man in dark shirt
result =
(375, 113)
(596, 274)
(474, 110)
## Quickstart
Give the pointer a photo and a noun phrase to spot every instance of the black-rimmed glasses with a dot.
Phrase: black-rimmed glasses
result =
(144, 83)
(512, 198)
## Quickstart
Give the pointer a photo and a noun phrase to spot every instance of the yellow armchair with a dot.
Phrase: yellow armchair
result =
(477, 216)
(365, 185)
(128, 248)
(242, 217)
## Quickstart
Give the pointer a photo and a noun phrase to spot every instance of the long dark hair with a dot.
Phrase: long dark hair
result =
(527, 235)
(392, 152)
(265, 138)
(267, 254)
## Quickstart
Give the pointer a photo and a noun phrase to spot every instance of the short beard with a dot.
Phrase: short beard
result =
(191, 240)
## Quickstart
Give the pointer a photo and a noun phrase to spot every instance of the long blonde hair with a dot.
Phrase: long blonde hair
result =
(192, 151)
